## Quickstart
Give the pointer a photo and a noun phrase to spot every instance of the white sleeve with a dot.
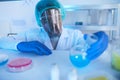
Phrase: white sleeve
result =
(10, 42)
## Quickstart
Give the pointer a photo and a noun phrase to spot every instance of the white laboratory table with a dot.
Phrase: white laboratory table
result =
(42, 66)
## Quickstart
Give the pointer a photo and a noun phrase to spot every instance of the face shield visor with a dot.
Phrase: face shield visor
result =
(51, 22)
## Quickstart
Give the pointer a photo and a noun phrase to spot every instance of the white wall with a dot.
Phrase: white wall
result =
(19, 15)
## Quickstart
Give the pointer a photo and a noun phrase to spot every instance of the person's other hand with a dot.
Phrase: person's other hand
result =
(98, 47)
(34, 47)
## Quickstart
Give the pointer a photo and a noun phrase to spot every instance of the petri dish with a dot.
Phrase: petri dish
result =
(19, 64)
(3, 59)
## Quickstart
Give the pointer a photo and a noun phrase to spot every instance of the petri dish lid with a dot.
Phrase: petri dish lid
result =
(3, 58)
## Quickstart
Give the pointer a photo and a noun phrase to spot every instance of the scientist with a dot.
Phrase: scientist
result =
(49, 15)
(51, 35)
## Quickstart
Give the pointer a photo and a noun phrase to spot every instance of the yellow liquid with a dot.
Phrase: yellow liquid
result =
(98, 78)
(116, 61)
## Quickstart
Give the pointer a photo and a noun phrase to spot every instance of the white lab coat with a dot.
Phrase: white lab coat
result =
(68, 39)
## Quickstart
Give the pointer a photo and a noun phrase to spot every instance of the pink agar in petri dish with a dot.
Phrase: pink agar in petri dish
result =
(19, 64)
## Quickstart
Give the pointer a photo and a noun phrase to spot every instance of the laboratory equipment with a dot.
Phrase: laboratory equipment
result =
(115, 56)
(35, 47)
(55, 74)
(3, 59)
(78, 57)
(81, 56)
(73, 75)
(19, 64)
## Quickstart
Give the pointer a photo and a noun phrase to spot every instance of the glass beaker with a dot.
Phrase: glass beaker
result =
(115, 57)
(78, 57)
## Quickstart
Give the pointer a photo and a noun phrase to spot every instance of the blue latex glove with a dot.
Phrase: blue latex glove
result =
(97, 48)
(97, 45)
(104, 45)
(34, 47)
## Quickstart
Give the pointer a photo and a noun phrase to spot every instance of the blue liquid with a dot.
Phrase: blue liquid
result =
(78, 61)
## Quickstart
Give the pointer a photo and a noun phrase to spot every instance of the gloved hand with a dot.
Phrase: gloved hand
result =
(97, 48)
(34, 47)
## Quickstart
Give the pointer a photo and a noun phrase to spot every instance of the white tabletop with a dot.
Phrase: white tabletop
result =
(42, 66)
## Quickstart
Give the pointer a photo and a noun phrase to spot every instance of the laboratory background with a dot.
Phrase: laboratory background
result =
(88, 16)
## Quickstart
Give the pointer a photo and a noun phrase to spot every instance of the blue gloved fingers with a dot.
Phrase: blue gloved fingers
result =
(101, 50)
(91, 55)
(97, 52)
(100, 36)
(41, 47)
(94, 50)
(99, 40)
(37, 51)
(25, 47)
(97, 45)
(34, 47)
(85, 36)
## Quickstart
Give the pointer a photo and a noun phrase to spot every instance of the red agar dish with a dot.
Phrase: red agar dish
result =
(19, 64)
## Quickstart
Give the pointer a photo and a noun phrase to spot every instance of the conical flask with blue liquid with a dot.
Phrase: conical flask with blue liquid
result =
(78, 57)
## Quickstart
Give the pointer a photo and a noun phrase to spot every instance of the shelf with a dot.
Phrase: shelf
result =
(107, 28)
(110, 11)
(84, 7)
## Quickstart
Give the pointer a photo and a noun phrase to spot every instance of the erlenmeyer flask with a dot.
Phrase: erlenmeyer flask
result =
(78, 57)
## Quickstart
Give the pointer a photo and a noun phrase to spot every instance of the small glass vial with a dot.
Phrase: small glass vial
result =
(115, 58)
